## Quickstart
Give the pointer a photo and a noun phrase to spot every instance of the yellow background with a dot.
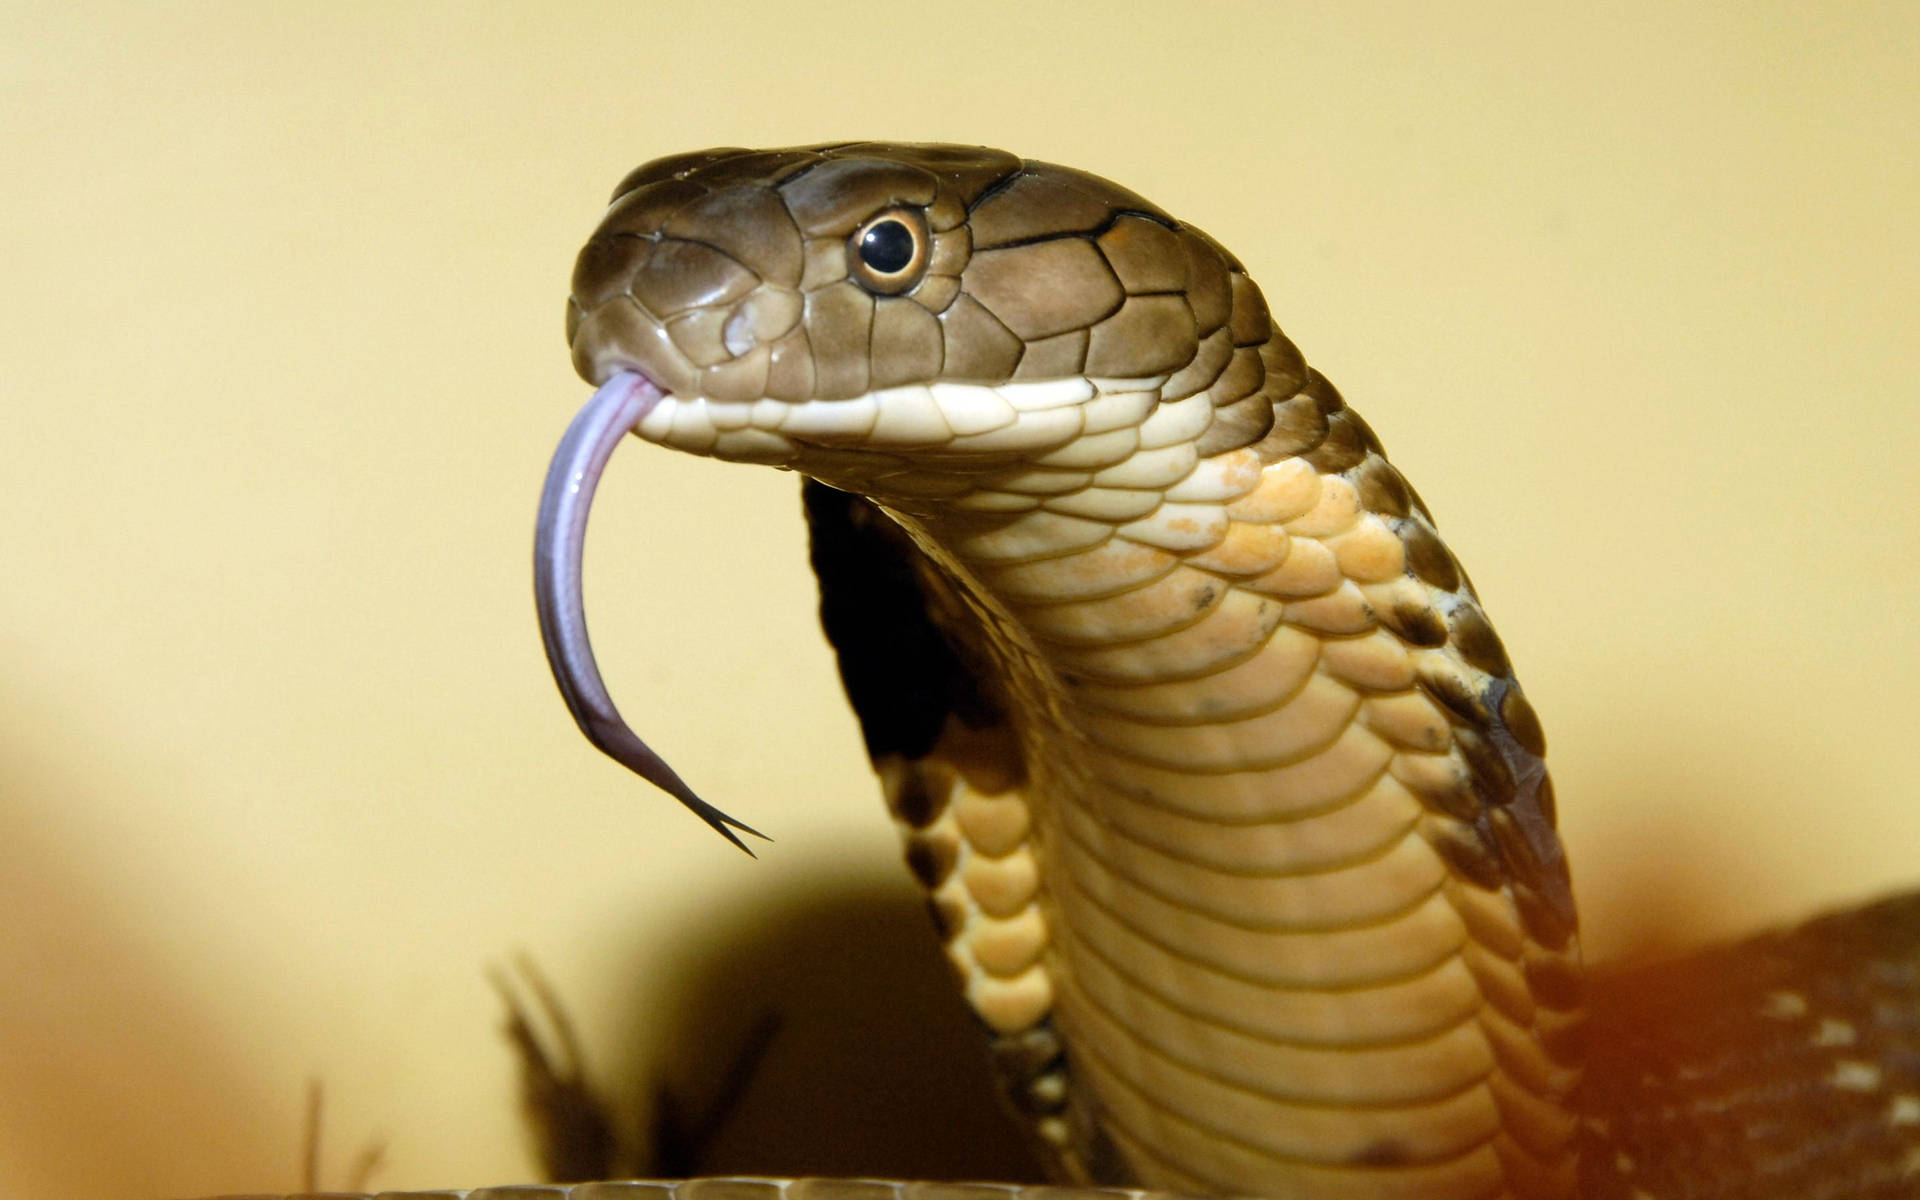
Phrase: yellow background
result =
(1629, 293)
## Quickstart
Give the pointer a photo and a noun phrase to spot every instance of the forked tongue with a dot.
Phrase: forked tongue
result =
(559, 538)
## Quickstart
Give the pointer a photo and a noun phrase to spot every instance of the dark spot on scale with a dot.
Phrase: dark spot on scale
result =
(1469, 855)
(1028, 1054)
(1457, 799)
(1238, 424)
(1415, 624)
(1478, 644)
(1455, 695)
(1325, 396)
(1368, 438)
(1298, 426)
(1544, 921)
(1204, 597)
(1513, 843)
(949, 916)
(931, 860)
(915, 803)
(1428, 557)
(1492, 777)
(1522, 722)
(1543, 797)
(1344, 447)
(1384, 1153)
(1381, 488)
(1146, 793)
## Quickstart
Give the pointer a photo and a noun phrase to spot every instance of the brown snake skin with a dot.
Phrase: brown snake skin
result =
(1229, 807)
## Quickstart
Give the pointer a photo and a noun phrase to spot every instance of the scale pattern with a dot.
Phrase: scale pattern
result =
(1245, 857)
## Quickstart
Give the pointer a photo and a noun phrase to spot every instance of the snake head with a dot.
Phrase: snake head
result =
(902, 320)
(911, 322)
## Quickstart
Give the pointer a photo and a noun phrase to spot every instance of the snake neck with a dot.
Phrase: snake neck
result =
(1250, 868)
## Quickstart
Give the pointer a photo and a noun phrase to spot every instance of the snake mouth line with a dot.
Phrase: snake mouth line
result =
(559, 542)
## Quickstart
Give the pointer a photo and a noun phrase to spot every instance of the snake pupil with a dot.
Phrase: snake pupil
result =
(887, 247)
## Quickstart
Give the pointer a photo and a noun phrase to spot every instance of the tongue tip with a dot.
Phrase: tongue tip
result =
(626, 748)
(721, 822)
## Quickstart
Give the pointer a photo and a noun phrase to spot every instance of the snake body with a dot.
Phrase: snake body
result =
(1228, 804)
(1230, 810)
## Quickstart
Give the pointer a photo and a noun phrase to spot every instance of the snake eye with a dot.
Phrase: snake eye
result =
(889, 251)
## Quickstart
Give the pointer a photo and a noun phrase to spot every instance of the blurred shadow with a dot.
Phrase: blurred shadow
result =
(1734, 1064)
(870, 1064)
(118, 1081)
(1689, 884)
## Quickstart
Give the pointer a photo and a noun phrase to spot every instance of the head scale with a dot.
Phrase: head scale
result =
(831, 272)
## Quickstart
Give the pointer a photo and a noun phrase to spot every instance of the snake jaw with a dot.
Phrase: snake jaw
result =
(559, 542)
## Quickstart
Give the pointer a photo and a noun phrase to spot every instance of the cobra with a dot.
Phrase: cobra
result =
(1230, 809)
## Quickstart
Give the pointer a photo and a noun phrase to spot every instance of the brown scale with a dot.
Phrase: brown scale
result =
(1484, 845)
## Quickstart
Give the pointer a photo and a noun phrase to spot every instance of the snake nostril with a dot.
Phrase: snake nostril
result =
(763, 317)
(737, 334)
